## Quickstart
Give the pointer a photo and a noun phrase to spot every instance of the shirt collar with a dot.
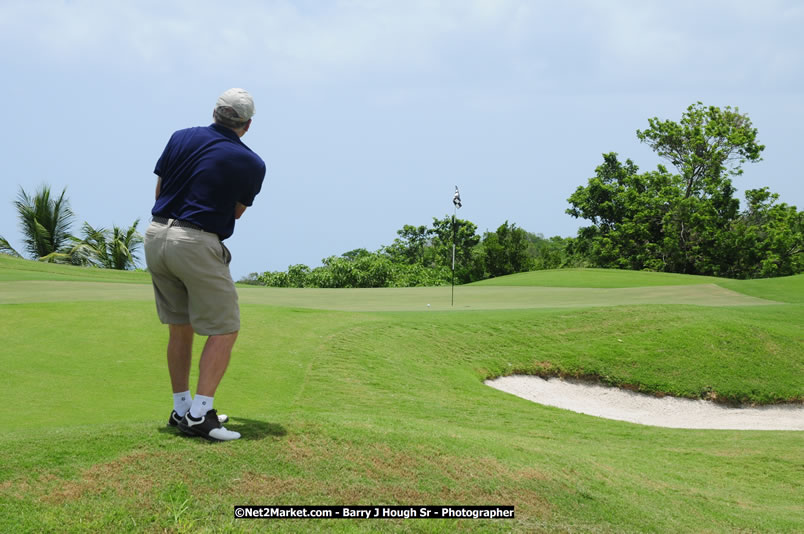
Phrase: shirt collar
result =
(228, 132)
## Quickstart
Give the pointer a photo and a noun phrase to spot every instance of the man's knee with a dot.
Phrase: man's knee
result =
(181, 330)
(222, 342)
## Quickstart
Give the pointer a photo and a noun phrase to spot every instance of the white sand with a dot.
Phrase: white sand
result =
(671, 412)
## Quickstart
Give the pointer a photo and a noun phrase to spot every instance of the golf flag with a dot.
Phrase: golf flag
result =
(456, 198)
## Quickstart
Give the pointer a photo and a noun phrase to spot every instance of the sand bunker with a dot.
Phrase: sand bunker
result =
(671, 412)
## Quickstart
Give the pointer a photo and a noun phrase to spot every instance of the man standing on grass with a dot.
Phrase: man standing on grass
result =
(206, 179)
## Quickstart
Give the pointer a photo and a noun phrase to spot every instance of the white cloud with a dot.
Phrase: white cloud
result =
(540, 45)
(342, 36)
(702, 44)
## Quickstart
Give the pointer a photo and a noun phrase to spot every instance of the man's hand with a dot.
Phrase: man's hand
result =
(239, 209)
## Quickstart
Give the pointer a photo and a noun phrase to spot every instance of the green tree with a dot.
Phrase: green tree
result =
(463, 233)
(547, 253)
(252, 279)
(123, 245)
(670, 222)
(629, 212)
(274, 279)
(417, 275)
(410, 246)
(767, 239)
(706, 146)
(298, 275)
(505, 251)
(108, 249)
(420, 256)
(363, 270)
(45, 223)
(356, 254)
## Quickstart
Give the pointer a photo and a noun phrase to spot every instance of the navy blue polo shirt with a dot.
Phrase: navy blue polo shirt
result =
(205, 171)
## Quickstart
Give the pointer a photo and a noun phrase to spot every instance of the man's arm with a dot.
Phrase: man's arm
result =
(239, 209)
(158, 186)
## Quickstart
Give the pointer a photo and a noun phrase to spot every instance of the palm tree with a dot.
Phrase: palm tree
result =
(109, 249)
(6, 248)
(45, 223)
(123, 247)
(92, 249)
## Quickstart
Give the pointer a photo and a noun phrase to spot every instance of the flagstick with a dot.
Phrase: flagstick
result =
(456, 203)
(454, 211)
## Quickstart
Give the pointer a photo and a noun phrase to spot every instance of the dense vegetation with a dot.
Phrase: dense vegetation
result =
(689, 222)
(422, 256)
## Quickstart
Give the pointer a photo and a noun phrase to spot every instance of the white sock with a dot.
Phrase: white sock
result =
(182, 402)
(201, 405)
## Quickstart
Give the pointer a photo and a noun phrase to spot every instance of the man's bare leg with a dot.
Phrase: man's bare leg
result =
(214, 361)
(179, 356)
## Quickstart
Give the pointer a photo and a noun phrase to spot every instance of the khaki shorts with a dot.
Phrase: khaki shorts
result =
(192, 283)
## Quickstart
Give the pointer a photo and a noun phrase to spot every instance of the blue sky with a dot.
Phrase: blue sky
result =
(370, 112)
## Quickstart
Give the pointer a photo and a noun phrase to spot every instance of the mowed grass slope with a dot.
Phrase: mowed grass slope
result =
(17, 269)
(347, 407)
(596, 278)
(783, 289)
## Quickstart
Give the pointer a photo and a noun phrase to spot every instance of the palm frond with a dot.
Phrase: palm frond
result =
(6, 248)
(93, 247)
(123, 246)
(44, 221)
(57, 257)
(82, 254)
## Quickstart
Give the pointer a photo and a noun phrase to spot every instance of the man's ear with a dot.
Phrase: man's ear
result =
(246, 127)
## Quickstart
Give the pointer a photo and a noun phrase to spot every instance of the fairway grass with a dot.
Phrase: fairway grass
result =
(398, 299)
(388, 407)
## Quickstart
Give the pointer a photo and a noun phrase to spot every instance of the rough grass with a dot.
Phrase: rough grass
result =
(389, 408)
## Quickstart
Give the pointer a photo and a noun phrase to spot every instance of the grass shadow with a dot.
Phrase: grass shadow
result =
(250, 429)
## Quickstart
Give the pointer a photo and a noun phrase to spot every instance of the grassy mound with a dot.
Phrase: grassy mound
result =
(596, 278)
(16, 269)
(784, 289)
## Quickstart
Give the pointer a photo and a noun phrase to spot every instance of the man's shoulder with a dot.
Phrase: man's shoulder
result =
(251, 154)
(237, 149)
(221, 142)
(248, 159)
(188, 133)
